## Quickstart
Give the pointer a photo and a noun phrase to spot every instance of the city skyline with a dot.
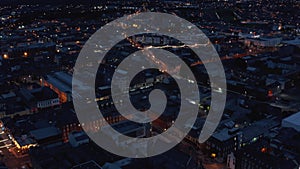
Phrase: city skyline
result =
(258, 47)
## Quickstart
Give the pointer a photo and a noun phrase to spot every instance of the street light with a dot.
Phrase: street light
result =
(5, 56)
(25, 54)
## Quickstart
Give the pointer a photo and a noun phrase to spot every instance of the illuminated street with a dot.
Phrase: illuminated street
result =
(229, 74)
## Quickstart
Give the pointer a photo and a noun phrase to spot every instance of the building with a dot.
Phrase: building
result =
(48, 135)
(24, 142)
(65, 156)
(278, 149)
(39, 98)
(231, 161)
(7, 98)
(27, 50)
(118, 164)
(286, 143)
(292, 121)
(294, 42)
(87, 165)
(77, 138)
(228, 140)
(67, 122)
(223, 142)
(271, 79)
(61, 83)
(126, 128)
(259, 155)
(153, 39)
(33, 49)
(263, 41)
(11, 105)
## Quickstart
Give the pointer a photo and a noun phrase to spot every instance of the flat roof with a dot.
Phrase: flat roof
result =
(63, 81)
(24, 140)
(87, 165)
(295, 118)
(126, 126)
(45, 132)
(64, 77)
(293, 42)
(8, 95)
(222, 135)
(258, 128)
(43, 93)
(255, 129)
(58, 84)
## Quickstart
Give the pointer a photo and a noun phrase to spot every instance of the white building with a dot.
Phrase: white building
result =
(263, 42)
(231, 160)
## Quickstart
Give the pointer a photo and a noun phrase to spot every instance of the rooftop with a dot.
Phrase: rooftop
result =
(293, 42)
(8, 95)
(222, 135)
(43, 93)
(43, 133)
(59, 81)
(126, 126)
(87, 165)
(295, 118)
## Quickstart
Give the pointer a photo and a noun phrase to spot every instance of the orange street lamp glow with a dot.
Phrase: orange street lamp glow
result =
(5, 56)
